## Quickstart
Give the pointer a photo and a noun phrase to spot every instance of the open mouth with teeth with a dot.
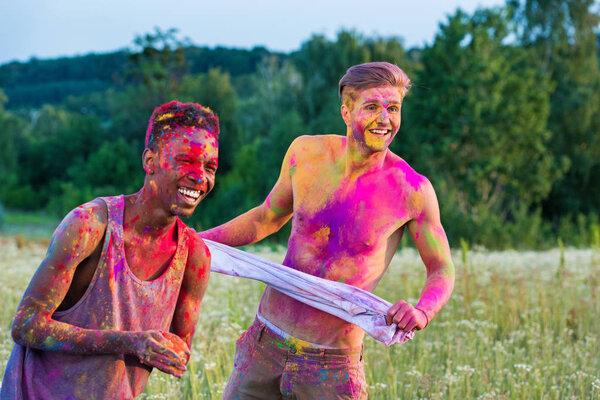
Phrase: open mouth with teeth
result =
(189, 194)
(380, 132)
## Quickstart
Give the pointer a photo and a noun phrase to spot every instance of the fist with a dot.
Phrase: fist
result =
(406, 316)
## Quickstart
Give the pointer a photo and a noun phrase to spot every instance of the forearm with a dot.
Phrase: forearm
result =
(245, 229)
(52, 335)
(437, 290)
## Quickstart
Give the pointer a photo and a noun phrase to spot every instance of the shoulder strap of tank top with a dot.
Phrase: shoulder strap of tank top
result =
(115, 207)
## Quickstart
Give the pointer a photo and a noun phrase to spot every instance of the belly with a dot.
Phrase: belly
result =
(307, 323)
(362, 269)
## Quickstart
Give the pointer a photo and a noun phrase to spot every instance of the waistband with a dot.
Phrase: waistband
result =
(285, 336)
(261, 332)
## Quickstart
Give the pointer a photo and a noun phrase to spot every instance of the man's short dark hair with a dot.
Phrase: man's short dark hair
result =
(167, 117)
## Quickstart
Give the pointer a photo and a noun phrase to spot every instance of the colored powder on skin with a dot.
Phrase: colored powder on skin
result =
(322, 233)
(411, 177)
(371, 139)
(293, 165)
(374, 141)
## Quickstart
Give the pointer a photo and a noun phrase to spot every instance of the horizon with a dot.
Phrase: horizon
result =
(78, 29)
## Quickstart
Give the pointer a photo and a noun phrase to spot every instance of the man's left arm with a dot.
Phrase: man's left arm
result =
(193, 287)
(429, 237)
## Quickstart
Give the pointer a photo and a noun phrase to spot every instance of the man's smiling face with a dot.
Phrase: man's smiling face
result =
(187, 161)
(373, 116)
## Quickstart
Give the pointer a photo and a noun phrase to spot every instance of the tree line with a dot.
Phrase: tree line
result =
(501, 117)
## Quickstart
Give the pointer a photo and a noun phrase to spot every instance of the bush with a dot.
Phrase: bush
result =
(2, 216)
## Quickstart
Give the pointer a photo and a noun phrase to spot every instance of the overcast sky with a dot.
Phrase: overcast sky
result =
(54, 28)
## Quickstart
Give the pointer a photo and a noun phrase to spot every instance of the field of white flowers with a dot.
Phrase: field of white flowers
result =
(519, 325)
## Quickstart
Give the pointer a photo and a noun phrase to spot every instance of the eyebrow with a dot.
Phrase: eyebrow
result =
(393, 102)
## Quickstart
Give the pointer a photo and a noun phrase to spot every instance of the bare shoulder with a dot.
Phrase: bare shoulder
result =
(198, 252)
(316, 146)
(406, 176)
(85, 224)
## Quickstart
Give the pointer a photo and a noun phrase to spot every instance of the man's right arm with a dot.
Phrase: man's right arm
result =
(74, 240)
(265, 219)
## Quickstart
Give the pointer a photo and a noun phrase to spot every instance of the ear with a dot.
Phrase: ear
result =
(149, 160)
(345, 114)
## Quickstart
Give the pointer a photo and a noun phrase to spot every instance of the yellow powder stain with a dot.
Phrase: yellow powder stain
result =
(373, 140)
(209, 147)
(165, 116)
(322, 233)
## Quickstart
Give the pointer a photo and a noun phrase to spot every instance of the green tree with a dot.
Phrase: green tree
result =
(14, 193)
(475, 121)
(563, 34)
(158, 57)
(59, 141)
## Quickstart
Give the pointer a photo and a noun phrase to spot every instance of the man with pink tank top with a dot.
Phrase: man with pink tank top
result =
(119, 290)
(350, 199)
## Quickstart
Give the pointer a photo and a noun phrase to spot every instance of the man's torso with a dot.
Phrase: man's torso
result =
(344, 228)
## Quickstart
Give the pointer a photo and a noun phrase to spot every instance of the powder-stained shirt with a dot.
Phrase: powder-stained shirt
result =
(115, 300)
(347, 302)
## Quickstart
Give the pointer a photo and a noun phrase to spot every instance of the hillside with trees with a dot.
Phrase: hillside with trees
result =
(502, 117)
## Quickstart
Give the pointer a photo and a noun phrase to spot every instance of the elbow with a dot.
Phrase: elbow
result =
(271, 220)
(23, 330)
(16, 332)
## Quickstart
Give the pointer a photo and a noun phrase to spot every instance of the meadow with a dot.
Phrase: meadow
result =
(519, 325)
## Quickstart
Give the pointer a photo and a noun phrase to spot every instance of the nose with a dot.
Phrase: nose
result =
(384, 115)
(197, 177)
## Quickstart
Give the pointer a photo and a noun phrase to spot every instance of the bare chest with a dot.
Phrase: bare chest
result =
(147, 261)
(354, 215)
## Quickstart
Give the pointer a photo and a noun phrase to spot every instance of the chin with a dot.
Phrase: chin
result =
(377, 149)
(182, 212)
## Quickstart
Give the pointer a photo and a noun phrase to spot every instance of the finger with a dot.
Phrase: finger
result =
(178, 363)
(161, 349)
(404, 308)
(389, 317)
(158, 359)
(168, 369)
(407, 322)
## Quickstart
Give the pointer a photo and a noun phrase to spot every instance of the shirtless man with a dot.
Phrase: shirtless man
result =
(120, 287)
(351, 199)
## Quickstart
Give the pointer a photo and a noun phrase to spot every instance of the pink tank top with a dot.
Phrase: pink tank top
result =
(116, 299)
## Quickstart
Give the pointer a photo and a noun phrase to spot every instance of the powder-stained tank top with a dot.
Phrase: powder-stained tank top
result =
(117, 300)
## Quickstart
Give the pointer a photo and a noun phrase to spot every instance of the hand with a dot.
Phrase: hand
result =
(162, 350)
(406, 316)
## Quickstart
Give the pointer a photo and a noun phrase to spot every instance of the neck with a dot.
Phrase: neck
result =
(145, 215)
(359, 159)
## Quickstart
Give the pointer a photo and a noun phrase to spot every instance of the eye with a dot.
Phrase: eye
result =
(183, 160)
(212, 167)
(394, 109)
(371, 107)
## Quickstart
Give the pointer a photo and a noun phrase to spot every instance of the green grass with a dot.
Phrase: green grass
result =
(33, 225)
(519, 325)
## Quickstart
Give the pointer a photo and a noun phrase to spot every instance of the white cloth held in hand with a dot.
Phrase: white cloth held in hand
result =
(347, 302)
